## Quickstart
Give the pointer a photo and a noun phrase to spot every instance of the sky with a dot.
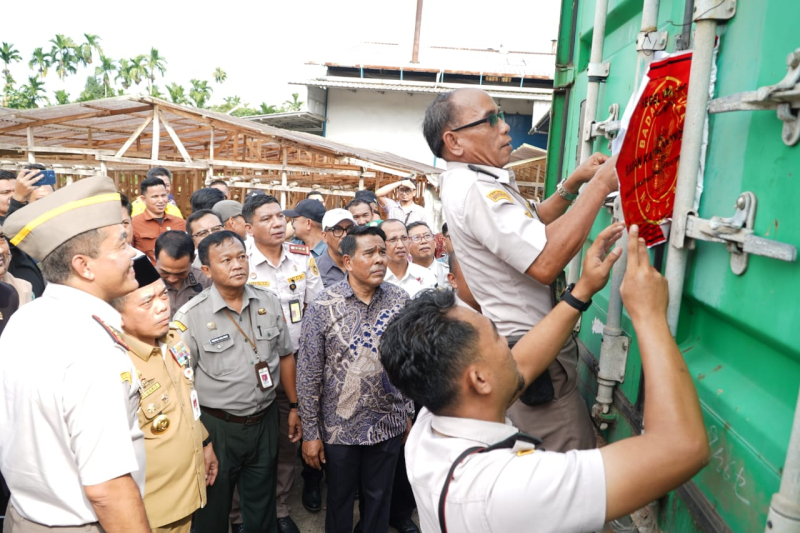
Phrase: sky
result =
(262, 45)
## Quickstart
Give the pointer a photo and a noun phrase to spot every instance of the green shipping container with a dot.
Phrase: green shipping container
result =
(737, 332)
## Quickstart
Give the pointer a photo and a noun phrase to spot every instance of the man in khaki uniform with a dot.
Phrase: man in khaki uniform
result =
(180, 456)
(24, 288)
(242, 352)
(289, 271)
(512, 253)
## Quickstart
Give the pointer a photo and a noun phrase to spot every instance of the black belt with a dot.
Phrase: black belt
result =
(249, 420)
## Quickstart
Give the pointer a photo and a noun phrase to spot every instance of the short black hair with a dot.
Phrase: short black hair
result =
(358, 201)
(159, 171)
(215, 239)
(350, 243)
(176, 244)
(438, 117)
(254, 202)
(7, 175)
(417, 224)
(444, 229)
(312, 193)
(126, 204)
(197, 215)
(151, 182)
(424, 350)
(451, 262)
(206, 198)
(218, 182)
(388, 220)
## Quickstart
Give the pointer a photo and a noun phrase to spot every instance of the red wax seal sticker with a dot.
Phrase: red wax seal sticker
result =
(648, 161)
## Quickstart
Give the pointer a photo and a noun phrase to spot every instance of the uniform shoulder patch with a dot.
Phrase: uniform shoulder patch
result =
(498, 194)
(301, 249)
(115, 335)
(177, 324)
(313, 265)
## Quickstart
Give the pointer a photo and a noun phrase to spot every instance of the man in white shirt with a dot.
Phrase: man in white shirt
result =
(405, 210)
(400, 271)
(472, 471)
(422, 248)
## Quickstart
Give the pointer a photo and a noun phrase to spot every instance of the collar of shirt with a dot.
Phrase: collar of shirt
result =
(325, 262)
(347, 291)
(410, 273)
(80, 300)
(218, 302)
(319, 249)
(141, 349)
(503, 176)
(258, 258)
(481, 431)
(165, 218)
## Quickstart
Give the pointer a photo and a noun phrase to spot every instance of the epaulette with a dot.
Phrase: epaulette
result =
(201, 297)
(176, 324)
(115, 335)
(301, 249)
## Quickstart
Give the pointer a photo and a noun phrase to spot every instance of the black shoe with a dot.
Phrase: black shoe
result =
(312, 497)
(406, 526)
(237, 528)
(287, 525)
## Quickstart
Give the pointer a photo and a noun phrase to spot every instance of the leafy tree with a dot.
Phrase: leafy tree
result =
(138, 70)
(28, 96)
(200, 93)
(155, 92)
(268, 109)
(8, 54)
(177, 94)
(62, 97)
(155, 62)
(93, 90)
(124, 73)
(220, 75)
(103, 71)
(41, 60)
(294, 104)
(63, 55)
(87, 49)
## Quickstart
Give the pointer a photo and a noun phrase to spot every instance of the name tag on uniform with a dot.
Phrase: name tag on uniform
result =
(264, 377)
(295, 311)
(221, 338)
(195, 404)
(180, 353)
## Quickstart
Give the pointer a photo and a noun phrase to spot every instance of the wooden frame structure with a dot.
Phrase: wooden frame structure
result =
(529, 164)
(125, 136)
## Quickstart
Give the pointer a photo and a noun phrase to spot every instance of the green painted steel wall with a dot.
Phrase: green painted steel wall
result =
(736, 332)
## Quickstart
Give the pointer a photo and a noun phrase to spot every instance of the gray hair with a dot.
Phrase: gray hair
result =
(438, 117)
(57, 266)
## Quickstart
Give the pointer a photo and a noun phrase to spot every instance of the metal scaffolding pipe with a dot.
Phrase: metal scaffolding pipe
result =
(696, 108)
(784, 509)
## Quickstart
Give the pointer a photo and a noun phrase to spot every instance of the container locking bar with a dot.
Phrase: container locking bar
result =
(736, 233)
(608, 128)
(784, 97)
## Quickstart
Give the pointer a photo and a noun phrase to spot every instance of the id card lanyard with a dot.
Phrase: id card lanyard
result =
(261, 367)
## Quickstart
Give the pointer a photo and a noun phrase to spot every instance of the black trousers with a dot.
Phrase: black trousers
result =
(374, 466)
(403, 502)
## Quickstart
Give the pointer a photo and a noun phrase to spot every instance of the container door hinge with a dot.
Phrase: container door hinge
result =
(607, 128)
(713, 10)
(736, 233)
(784, 97)
(598, 71)
(652, 41)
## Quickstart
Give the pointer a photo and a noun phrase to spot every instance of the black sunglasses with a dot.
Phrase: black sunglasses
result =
(492, 119)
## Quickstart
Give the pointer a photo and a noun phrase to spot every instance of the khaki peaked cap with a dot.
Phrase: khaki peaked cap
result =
(41, 227)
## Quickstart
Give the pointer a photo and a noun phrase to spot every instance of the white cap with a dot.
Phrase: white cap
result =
(334, 216)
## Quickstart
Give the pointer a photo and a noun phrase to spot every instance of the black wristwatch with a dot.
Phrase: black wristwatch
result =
(294, 405)
(206, 442)
(569, 299)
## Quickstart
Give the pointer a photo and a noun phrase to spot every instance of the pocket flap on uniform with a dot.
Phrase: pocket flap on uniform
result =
(269, 333)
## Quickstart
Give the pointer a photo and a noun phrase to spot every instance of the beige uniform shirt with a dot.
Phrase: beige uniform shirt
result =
(23, 287)
(296, 268)
(69, 401)
(509, 489)
(192, 285)
(175, 484)
(223, 360)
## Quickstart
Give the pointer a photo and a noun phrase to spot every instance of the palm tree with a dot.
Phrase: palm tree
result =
(8, 54)
(124, 73)
(294, 104)
(268, 109)
(104, 71)
(62, 97)
(33, 93)
(91, 45)
(177, 94)
(200, 93)
(155, 92)
(138, 70)
(41, 60)
(220, 75)
(64, 56)
(155, 62)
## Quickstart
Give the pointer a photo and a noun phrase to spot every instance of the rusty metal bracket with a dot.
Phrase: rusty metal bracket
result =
(736, 233)
(784, 97)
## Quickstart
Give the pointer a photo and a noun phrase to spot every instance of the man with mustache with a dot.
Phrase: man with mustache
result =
(354, 418)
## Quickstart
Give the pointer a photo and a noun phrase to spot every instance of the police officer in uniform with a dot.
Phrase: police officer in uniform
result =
(180, 456)
(289, 270)
(70, 444)
(242, 352)
(512, 253)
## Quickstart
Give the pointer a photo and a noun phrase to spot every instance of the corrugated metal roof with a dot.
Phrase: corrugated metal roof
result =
(450, 60)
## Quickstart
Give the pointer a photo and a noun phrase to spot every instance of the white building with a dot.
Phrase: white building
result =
(372, 96)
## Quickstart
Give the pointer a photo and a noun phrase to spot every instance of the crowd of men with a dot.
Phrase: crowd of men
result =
(189, 361)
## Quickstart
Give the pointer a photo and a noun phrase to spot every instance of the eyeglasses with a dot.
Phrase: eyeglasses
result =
(338, 231)
(491, 119)
(204, 232)
(424, 237)
(393, 240)
(405, 190)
